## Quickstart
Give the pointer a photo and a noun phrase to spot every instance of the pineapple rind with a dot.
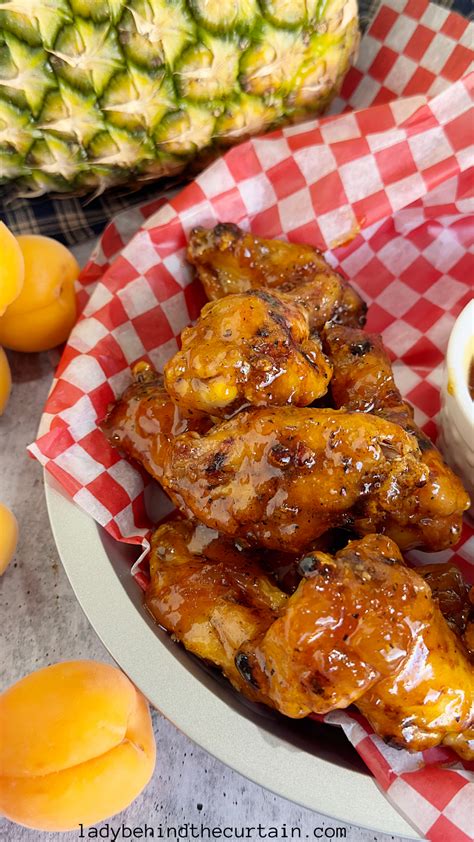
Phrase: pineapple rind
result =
(244, 116)
(208, 70)
(35, 21)
(185, 132)
(286, 13)
(29, 74)
(70, 113)
(98, 92)
(17, 131)
(270, 65)
(88, 55)
(221, 17)
(138, 100)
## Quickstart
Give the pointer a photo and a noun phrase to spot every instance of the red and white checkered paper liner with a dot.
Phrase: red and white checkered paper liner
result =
(390, 178)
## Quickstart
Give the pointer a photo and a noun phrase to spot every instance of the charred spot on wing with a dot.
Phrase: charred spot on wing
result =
(362, 317)
(359, 349)
(242, 663)
(307, 565)
(317, 683)
(280, 455)
(216, 462)
(393, 742)
(267, 297)
(424, 443)
(313, 564)
(224, 228)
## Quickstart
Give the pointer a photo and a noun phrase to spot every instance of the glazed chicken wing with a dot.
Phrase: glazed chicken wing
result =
(282, 477)
(363, 628)
(253, 348)
(455, 599)
(144, 420)
(363, 381)
(210, 595)
(229, 260)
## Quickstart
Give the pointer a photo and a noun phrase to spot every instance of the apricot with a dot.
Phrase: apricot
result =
(5, 381)
(77, 746)
(12, 268)
(44, 313)
(8, 539)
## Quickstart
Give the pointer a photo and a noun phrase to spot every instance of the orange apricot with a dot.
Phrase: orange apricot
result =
(12, 268)
(44, 313)
(77, 746)
(5, 380)
(8, 538)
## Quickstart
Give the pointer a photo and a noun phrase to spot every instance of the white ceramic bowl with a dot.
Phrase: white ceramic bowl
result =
(301, 760)
(457, 409)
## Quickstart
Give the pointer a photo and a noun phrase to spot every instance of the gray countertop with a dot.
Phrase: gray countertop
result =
(42, 623)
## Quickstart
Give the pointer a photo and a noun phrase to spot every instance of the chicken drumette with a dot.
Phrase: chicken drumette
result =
(361, 628)
(253, 348)
(279, 478)
(144, 421)
(363, 382)
(229, 260)
(212, 596)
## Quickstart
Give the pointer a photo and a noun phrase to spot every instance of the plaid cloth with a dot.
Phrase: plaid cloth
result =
(72, 220)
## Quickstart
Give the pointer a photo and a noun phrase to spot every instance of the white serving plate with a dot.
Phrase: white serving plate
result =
(313, 765)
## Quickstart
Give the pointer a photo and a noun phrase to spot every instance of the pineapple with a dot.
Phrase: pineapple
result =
(95, 93)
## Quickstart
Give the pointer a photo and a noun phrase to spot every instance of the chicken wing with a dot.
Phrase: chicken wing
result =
(210, 595)
(229, 260)
(455, 599)
(363, 381)
(363, 628)
(254, 349)
(144, 420)
(282, 477)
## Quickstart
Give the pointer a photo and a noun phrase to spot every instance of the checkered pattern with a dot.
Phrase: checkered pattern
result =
(387, 191)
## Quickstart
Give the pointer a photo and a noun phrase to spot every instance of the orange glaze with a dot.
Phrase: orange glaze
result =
(252, 348)
(229, 260)
(282, 477)
(360, 628)
(144, 420)
(363, 628)
(363, 381)
(209, 594)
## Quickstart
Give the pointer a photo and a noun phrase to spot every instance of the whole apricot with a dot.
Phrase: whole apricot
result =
(8, 538)
(5, 380)
(44, 313)
(12, 268)
(77, 746)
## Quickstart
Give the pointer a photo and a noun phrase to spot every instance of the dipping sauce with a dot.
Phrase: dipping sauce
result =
(471, 379)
